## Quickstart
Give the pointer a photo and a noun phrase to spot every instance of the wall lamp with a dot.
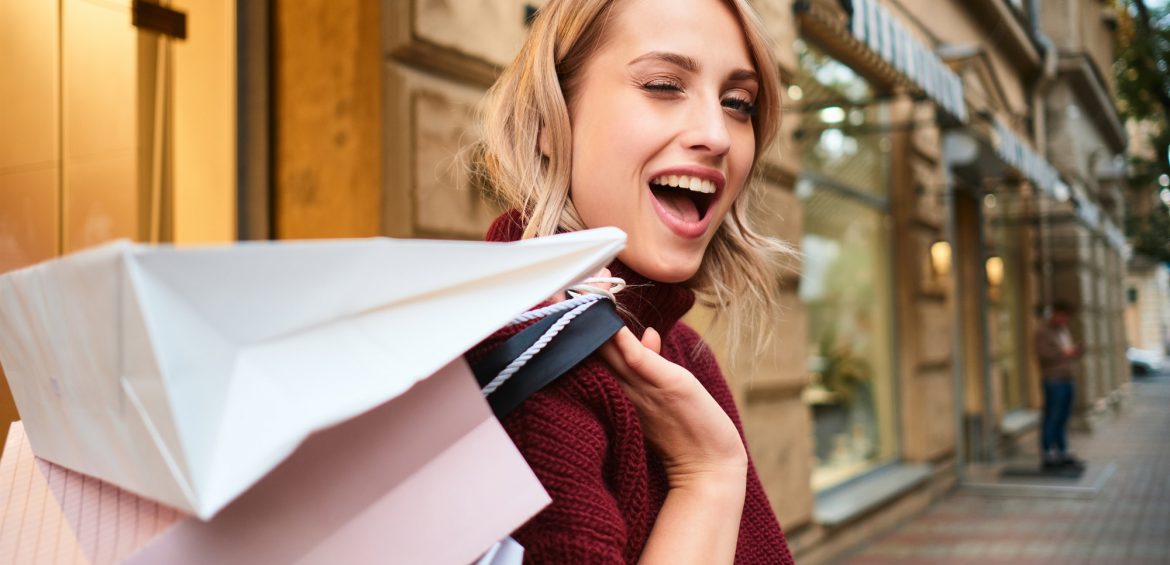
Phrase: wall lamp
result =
(994, 267)
(940, 258)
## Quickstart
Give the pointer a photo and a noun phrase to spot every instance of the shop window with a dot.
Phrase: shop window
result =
(846, 279)
(1004, 271)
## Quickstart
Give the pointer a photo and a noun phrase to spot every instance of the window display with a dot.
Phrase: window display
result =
(846, 279)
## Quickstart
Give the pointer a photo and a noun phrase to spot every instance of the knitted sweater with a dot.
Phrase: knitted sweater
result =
(582, 437)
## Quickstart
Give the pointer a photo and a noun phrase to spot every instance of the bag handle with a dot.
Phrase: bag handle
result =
(531, 359)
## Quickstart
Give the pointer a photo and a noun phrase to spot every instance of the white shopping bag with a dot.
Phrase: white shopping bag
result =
(186, 375)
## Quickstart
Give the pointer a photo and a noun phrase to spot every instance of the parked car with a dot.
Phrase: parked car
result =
(1144, 361)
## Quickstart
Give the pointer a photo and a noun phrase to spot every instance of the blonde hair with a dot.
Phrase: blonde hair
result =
(528, 101)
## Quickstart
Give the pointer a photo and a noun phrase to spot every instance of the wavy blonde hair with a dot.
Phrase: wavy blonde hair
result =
(531, 99)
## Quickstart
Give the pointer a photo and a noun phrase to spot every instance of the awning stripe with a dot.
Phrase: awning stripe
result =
(1035, 168)
(885, 36)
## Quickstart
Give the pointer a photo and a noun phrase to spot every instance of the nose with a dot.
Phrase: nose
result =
(706, 129)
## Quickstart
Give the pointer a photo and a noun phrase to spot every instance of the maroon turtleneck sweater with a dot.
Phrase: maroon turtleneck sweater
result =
(582, 437)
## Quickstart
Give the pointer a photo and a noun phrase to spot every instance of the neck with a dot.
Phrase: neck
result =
(645, 303)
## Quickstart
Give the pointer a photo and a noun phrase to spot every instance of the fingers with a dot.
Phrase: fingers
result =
(639, 364)
(618, 349)
(652, 341)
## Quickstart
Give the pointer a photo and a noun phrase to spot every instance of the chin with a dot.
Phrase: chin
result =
(665, 269)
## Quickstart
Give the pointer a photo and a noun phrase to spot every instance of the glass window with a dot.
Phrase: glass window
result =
(840, 124)
(1003, 267)
(846, 279)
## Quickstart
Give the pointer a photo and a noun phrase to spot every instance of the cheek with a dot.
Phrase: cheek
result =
(610, 149)
(618, 140)
(740, 161)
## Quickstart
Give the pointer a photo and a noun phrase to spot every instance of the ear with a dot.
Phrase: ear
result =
(543, 143)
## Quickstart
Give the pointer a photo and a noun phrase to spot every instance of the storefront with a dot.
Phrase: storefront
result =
(858, 91)
(999, 183)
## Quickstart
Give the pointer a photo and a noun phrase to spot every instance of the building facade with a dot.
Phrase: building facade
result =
(947, 169)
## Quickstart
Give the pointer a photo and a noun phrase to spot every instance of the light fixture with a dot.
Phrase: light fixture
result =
(1164, 179)
(1060, 191)
(994, 267)
(795, 92)
(832, 115)
(940, 258)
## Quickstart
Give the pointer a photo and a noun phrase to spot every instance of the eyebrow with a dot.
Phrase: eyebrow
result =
(681, 61)
(689, 64)
(744, 74)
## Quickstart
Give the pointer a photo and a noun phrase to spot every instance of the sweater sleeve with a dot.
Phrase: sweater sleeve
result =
(566, 446)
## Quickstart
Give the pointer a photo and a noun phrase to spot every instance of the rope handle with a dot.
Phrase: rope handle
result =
(587, 296)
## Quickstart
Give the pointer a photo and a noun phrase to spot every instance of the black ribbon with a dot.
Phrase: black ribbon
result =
(576, 341)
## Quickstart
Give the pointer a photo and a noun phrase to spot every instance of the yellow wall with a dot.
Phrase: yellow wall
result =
(74, 154)
(205, 124)
(98, 135)
(29, 149)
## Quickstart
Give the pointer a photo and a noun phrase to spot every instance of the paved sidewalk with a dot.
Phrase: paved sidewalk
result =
(1127, 522)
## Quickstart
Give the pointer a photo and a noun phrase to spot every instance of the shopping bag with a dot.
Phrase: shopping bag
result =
(389, 486)
(186, 375)
(51, 515)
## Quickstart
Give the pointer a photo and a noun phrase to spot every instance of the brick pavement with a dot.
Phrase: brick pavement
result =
(1127, 522)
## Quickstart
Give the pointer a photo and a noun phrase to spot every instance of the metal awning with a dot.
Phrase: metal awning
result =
(884, 35)
(1021, 157)
(1089, 213)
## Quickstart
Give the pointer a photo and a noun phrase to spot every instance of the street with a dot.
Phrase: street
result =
(1127, 522)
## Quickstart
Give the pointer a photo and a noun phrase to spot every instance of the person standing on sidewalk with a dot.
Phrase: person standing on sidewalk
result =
(1057, 353)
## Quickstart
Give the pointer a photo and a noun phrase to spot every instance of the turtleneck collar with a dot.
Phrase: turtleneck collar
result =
(644, 303)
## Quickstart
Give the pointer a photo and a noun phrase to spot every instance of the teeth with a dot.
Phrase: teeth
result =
(688, 182)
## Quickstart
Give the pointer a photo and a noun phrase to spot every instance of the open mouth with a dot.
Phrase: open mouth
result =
(686, 198)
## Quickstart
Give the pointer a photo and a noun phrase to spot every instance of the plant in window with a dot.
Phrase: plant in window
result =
(844, 373)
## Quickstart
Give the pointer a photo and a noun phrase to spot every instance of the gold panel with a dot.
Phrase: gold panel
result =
(28, 217)
(28, 116)
(99, 66)
(99, 80)
(205, 120)
(101, 201)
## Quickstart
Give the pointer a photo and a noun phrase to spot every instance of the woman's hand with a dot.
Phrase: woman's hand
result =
(690, 431)
(702, 453)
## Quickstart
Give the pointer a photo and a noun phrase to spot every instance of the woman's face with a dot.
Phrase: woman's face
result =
(662, 130)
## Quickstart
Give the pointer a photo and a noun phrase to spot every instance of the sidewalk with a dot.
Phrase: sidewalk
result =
(1127, 522)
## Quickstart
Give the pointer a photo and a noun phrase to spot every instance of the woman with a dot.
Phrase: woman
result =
(647, 115)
